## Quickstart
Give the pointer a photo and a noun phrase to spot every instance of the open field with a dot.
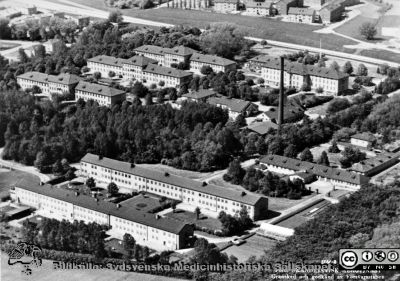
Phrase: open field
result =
(256, 27)
(254, 246)
(381, 54)
(47, 273)
(190, 217)
(10, 178)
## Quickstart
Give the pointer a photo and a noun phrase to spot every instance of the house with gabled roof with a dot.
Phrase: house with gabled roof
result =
(131, 177)
(234, 106)
(289, 166)
(226, 6)
(103, 95)
(105, 64)
(197, 61)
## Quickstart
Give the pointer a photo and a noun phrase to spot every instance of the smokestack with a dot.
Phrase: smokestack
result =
(281, 94)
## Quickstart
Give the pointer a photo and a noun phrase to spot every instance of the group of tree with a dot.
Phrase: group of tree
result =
(235, 224)
(134, 250)
(350, 156)
(77, 237)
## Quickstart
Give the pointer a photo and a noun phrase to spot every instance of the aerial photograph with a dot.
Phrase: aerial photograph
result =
(204, 140)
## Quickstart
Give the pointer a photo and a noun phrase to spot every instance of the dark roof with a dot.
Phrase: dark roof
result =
(301, 11)
(200, 94)
(319, 170)
(259, 4)
(98, 89)
(211, 59)
(151, 49)
(262, 128)
(34, 76)
(299, 68)
(167, 71)
(64, 78)
(180, 50)
(139, 61)
(227, 1)
(369, 164)
(107, 60)
(172, 179)
(236, 105)
(102, 206)
(364, 136)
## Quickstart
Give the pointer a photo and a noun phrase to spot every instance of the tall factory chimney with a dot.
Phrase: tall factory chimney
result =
(281, 94)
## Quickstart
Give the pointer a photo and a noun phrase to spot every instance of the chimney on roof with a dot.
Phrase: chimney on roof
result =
(281, 95)
(243, 194)
(76, 193)
(132, 165)
(118, 206)
(41, 183)
(100, 157)
(204, 183)
(157, 217)
(166, 174)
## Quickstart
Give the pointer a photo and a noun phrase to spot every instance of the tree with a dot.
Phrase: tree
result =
(362, 70)
(149, 99)
(264, 43)
(348, 68)
(128, 243)
(115, 16)
(97, 75)
(334, 147)
(57, 167)
(235, 172)
(40, 51)
(206, 69)
(368, 30)
(5, 29)
(323, 159)
(173, 206)
(22, 57)
(147, 4)
(111, 74)
(334, 66)
(161, 83)
(112, 188)
(91, 183)
(350, 156)
(197, 211)
(306, 155)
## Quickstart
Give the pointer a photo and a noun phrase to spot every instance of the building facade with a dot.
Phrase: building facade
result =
(259, 7)
(49, 84)
(103, 95)
(197, 61)
(297, 74)
(289, 166)
(105, 64)
(301, 15)
(147, 229)
(235, 107)
(130, 177)
(225, 6)
(365, 140)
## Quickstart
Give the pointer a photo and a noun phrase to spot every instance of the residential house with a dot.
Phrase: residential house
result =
(103, 95)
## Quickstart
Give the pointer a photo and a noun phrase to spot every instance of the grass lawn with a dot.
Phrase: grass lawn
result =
(6, 46)
(254, 246)
(10, 178)
(381, 54)
(142, 203)
(47, 273)
(190, 217)
(257, 27)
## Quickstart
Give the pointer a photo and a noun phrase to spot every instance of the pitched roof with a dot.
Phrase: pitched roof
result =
(180, 50)
(211, 59)
(299, 68)
(262, 128)
(107, 60)
(98, 89)
(236, 105)
(186, 183)
(365, 136)
(369, 164)
(64, 78)
(259, 4)
(227, 1)
(139, 61)
(200, 94)
(124, 211)
(289, 112)
(167, 71)
(319, 170)
(34, 76)
(301, 11)
(157, 50)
